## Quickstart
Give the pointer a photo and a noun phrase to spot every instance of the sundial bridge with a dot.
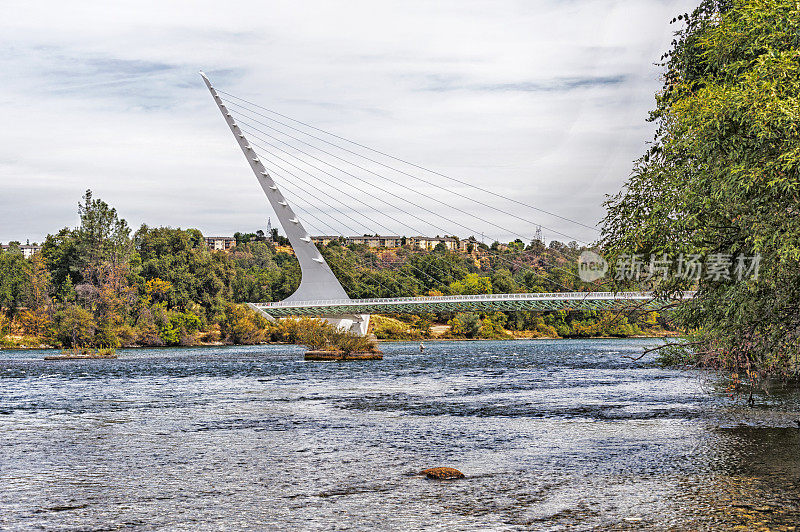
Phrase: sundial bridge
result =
(320, 293)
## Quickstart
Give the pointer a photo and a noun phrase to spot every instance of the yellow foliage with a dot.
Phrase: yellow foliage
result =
(157, 289)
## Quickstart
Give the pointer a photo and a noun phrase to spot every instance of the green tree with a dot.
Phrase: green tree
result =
(38, 316)
(102, 235)
(241, 325)
(467, 324)
(63, 259)
(180, 258)
(14, 281)
(76, 326)
(722, 179)
(471, 284)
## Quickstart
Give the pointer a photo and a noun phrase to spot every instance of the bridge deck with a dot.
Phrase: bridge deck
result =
(465, 303)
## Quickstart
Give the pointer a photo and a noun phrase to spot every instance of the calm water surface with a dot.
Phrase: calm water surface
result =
(552, 435)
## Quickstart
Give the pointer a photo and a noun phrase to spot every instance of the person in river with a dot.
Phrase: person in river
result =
(421, 347)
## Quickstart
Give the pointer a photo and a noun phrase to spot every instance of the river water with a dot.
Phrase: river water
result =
(551, 435)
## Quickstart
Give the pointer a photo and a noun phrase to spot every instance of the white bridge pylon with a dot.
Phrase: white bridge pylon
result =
(317, 280)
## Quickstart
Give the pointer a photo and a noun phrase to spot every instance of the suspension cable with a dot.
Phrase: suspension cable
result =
(487, 191)
(266, 150)
(484, 220)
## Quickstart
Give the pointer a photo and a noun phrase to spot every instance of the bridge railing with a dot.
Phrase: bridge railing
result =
(631, 296)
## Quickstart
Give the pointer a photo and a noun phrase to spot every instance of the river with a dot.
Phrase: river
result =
(551, 435)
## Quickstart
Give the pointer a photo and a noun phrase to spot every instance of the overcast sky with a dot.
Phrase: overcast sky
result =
(540, 100)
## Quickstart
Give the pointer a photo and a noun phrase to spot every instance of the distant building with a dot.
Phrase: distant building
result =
(430, 242)
(395, 241)
(28, 250)
(376, 241)
(463, 245)
(324, 240)
(220, 243)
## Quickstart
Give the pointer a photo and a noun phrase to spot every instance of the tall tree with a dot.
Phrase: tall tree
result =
(722, 180)
(13, 278)
(38, 316)
(102, 236)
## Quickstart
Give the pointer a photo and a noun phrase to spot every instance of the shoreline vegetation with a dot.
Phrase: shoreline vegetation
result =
(84, 354)
(18, 344)
(101, 286)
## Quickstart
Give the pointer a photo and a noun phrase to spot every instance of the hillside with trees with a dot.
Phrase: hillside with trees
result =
(102, 284)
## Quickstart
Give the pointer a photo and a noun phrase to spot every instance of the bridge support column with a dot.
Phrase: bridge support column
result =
(355, 323)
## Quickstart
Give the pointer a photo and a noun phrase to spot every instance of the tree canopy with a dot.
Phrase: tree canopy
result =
(721, 179)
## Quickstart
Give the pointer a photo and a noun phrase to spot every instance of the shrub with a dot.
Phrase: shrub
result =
(147, 332)
(317, 334)
(241, 325)
(466, 324)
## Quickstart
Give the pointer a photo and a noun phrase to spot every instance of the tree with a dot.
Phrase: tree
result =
(102, 235)
(243, 326)
(722, 178)
(14, 281)
(472, 284)
(76, 326)
(466, 324)
(62, 257)
(37, 318)
(180, 258)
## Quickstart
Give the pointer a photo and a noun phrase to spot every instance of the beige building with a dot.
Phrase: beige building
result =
(430, 242)
(28, 250)
(324, 240)
(376, 241)
(220, 243)
(463, 245)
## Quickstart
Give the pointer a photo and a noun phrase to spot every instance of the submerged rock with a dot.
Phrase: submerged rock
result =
(320, 354)
(442, 473)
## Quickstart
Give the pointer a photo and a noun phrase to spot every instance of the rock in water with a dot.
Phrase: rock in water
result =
(337, 356)
(442, 473)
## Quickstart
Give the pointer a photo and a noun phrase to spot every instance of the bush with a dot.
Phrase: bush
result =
(317, 334)
(147, 332)
(676, 355)
(126, 334)
(393, 329)
(292, 330)
(492, 330)
(106, 336)
(466, 324)
(241, 325)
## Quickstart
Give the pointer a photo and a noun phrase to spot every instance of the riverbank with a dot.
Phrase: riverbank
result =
(667, 334)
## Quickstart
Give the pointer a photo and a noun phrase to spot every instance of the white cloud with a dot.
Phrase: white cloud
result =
(543, 101)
